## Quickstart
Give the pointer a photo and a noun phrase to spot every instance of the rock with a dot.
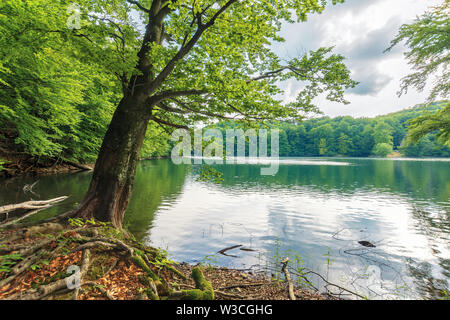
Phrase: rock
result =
(367, 244)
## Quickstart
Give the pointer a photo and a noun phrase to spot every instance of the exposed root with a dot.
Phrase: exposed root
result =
(90, 237)
(102, 290)
(203, 289)
(85, 261)
(112, 266)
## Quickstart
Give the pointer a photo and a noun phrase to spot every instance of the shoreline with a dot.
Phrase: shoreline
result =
(15, 169)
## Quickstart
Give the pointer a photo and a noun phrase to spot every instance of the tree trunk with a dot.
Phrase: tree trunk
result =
(114, 171)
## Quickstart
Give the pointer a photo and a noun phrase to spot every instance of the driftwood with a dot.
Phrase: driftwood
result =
(229, 248)
(288, 279)
(32, 205)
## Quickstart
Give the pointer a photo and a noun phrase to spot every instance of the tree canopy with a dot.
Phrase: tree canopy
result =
(61, 83)
(428, 41)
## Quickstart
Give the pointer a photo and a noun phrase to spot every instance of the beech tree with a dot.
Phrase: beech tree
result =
(179, 62)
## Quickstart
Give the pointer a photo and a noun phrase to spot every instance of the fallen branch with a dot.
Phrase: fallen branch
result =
(243, 285)
(32, 205)
(85, 261)
(78, 166)
(229, 248)
(7, 223)
(288, 279)
(332, 284)
(225, 294)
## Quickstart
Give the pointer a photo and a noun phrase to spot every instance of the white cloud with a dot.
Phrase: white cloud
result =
(360, 30)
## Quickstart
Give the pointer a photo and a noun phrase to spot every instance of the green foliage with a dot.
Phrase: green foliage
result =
(428, 39)
(208, 173)
(50, 97)
(60, 86)
(382, 149)
(157, 143)
(430, 122)
(9, 260)
(58, 90)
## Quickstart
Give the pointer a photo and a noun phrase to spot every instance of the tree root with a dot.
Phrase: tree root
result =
(85, 261)
(102, 290)
(225, 294)
(139, 262)
(90, 239)
(203, 289)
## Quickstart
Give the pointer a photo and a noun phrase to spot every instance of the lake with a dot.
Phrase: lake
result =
(315, 211)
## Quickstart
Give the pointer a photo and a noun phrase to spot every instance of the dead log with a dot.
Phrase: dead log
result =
(229, 248)
(32, 205)
(78, 166)
(288, 279)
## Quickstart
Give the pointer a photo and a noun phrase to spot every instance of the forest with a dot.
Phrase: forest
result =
(357, 137)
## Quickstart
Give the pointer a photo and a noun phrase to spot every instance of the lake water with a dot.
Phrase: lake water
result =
(316, 210)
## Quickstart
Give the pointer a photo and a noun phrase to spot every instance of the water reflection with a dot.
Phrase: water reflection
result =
(317, 210)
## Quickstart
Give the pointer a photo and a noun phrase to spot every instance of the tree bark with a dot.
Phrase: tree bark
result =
(114, 171)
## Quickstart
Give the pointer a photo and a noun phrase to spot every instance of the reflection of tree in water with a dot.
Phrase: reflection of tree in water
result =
(426, 282)
(417, 179)
(156, 182)
(436, 228)
(379, 275)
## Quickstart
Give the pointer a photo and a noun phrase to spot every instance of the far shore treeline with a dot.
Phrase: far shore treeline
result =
(358, 137)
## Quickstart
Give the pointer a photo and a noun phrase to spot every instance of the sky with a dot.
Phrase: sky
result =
(360, 30)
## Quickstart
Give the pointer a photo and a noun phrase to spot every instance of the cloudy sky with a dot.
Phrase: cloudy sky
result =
(360, 30)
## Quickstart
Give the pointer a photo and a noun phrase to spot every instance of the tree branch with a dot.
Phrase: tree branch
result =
(141, 7)
(184, 50)
(170, 124)
(205, 113)
(172, 94)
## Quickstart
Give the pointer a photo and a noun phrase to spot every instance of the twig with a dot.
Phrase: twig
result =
(245, 285)
(229, 248)
(96, 286)
(225, 294)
